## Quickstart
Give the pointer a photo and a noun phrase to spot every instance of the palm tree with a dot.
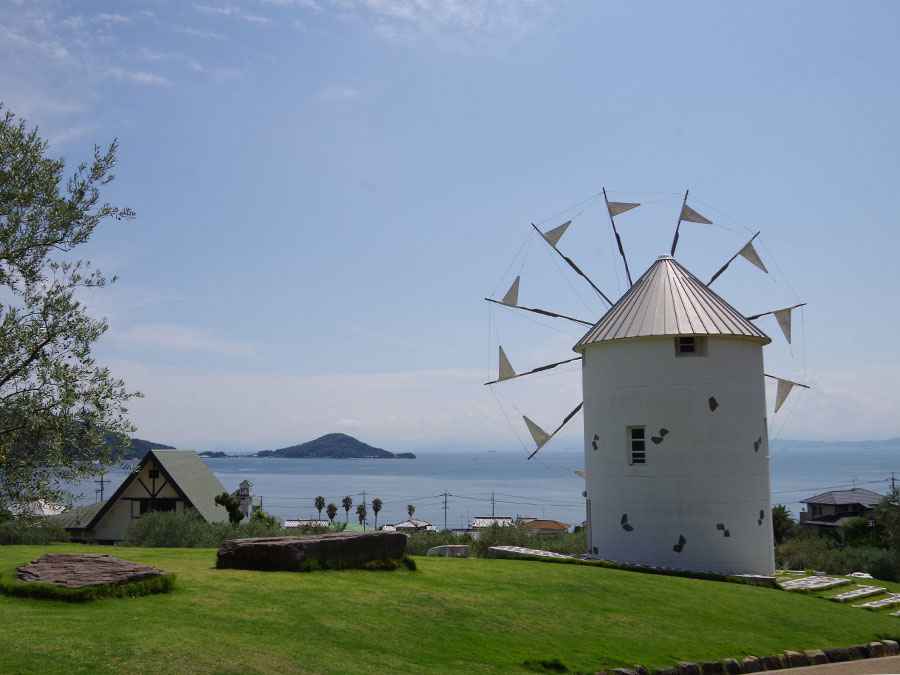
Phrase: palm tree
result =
(410, 509)
(361, 514)
(320, 504)
(376, 507)
(347, 503)
(331, 510)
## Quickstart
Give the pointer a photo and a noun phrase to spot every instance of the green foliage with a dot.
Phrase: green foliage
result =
(347, 504)
(376, 509)
(410, 509)
(30, 531)
(361, 513)
(783, 523)
(570, 543)
(9, 585)
(859, 532)
(233, 505)
(57, 405)
(810, 551)
(189, 530)
(264, 519)
(545, 666)
(320, 504)
(331, 511)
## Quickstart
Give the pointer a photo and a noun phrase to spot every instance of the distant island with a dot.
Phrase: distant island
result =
(334, 446)
(136, 449)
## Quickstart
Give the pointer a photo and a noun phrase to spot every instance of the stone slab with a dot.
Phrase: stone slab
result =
(522, 552)
(302, 554)
(449, 551)
(82, 570)
(889, 601)
(858, 593)
(813, 583)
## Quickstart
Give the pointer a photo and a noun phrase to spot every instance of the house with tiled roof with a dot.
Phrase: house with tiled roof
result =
(164, 480)
(833, 508)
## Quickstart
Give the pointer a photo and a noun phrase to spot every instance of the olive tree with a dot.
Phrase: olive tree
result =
(61, 413)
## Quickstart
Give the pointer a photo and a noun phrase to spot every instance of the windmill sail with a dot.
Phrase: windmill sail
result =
(539, 435)
(615, 208)
(506, 370)
(784, 389)
(553, 236)
(749, 253)
(691, 216)
(783, 317)
(512, 295)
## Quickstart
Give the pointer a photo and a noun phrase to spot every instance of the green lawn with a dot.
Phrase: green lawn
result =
(472, 616)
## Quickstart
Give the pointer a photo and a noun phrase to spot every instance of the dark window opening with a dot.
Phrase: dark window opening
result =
(690, 345)
(152, 505)
(154, 473)
(637, 445)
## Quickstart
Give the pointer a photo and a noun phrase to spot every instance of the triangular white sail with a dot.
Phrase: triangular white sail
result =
(688, 214)
(553, 236)
(615, 208)
(784, 388)
(783, 317)
(750, 254)
(512, 295)
(506, 369)
(539, 435)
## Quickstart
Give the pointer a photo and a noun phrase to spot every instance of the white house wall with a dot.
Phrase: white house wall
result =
(701, 501)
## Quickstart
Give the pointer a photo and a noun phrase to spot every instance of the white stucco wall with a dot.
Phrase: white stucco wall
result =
(707, 471)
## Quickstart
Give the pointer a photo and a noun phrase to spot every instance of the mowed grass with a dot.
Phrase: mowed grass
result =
(452, 615)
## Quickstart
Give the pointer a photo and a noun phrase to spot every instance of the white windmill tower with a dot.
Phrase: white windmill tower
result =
(676, 440)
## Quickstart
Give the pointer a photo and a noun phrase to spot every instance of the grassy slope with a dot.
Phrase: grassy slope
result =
(474, 616)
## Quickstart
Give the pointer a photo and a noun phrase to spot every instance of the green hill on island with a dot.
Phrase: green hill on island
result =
(335, 446)
(136, 449)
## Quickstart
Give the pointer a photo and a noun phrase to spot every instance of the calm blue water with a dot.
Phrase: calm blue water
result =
(544, 487)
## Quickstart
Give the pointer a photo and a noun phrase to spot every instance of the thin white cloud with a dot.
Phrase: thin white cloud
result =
(138, 77)
(172, 337)
(111, 18)
(338, 94)
(231, 11)
(199, 33)
(303, 4)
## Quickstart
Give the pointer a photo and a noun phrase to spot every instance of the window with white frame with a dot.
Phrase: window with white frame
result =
(637, 445)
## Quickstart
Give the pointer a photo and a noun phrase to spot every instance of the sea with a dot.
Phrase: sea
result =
(450, 488)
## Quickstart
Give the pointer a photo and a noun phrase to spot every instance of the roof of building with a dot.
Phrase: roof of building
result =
(412, 524)
(77, 517)
(669, 300)
(188, 474)
(855, 496)
(543, 524)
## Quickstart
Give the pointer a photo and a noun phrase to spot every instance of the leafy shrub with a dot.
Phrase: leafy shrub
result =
(569, 543)
(31, 531)
(825, 554)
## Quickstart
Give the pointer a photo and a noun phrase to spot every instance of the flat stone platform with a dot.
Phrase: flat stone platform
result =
(304, 554)
(86, 569)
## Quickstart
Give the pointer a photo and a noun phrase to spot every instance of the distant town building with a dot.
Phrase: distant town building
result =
(542, 527)
(835, 507)
(482, 522)
(306, 523)
(164, 480)
(411, 525)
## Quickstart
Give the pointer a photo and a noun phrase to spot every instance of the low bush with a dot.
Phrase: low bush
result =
(31, 531)
(825, 554)
(189, 530)
(568, 543)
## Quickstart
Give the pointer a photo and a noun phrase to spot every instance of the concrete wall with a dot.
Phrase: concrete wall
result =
(709, 475)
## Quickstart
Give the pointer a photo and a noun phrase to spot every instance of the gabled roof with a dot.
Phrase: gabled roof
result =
(855, 496)
(669, 300)
(187, 473)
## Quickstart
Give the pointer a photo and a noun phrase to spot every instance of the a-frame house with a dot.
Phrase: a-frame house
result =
(164, 480)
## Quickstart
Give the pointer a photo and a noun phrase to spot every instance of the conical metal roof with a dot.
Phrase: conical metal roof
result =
(669, 300)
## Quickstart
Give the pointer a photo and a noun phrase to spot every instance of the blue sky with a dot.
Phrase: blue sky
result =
(326, 189)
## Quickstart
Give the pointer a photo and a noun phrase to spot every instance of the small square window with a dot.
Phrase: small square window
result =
(690, 345)
(637, 445)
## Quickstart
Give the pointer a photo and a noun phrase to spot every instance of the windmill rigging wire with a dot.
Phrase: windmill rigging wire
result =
(560, 214)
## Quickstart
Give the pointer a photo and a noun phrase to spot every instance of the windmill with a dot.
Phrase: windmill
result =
(676, 440)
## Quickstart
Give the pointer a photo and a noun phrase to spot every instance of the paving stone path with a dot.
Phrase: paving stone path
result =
(813, 583)
(890, 600)
(858, 593)
(86, 569)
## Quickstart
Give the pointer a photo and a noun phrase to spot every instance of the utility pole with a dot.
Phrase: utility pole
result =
(492, 505)
(893, 485)
(445, 495)
(102, 483)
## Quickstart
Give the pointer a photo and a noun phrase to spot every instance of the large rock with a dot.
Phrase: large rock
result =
(84, 569)
(303, 554)
(449, 551)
